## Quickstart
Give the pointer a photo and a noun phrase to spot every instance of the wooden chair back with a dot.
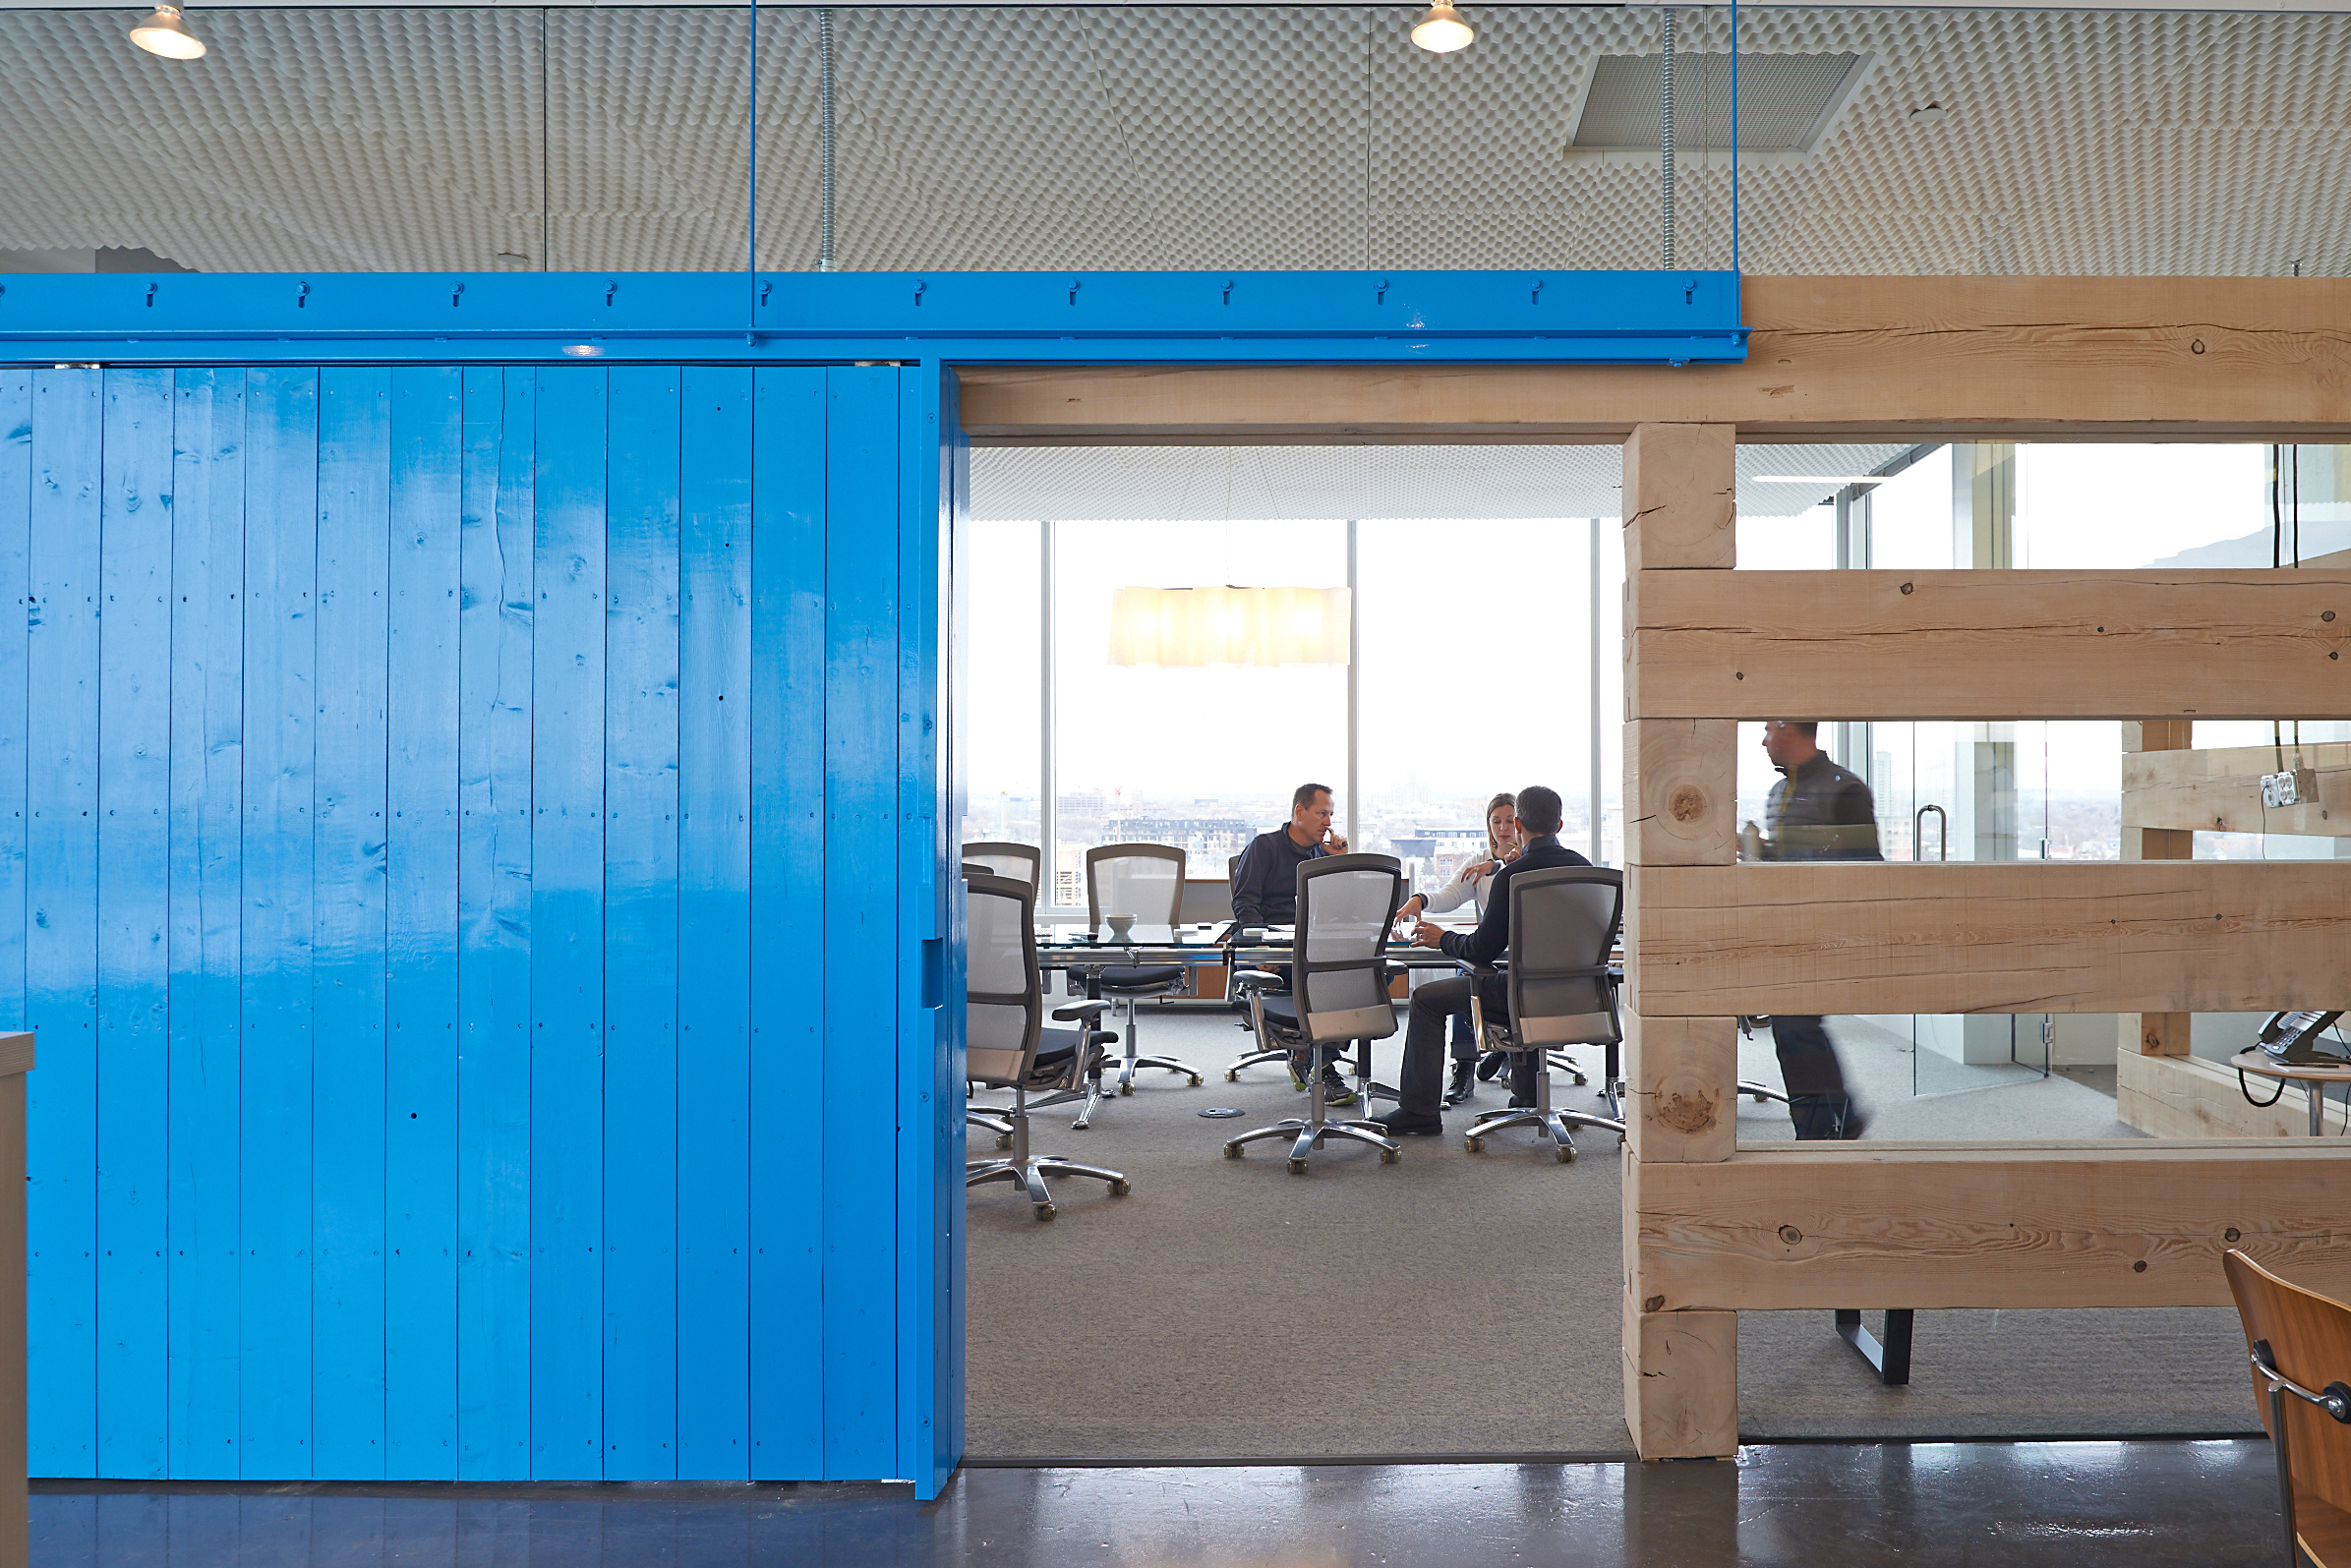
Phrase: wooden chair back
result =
(2310, 1341)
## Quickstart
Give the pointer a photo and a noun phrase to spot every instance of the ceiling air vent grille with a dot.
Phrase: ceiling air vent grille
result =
(1786, 102)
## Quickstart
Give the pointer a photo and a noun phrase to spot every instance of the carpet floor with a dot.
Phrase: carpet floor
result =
(1456, 1305)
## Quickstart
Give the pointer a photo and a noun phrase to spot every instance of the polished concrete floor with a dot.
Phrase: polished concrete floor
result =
(2066, 1505)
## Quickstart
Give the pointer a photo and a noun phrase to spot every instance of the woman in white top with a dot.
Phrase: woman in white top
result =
(1503, 844)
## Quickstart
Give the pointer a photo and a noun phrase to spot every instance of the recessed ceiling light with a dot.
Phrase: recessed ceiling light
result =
(1441, 30)
(164, 33)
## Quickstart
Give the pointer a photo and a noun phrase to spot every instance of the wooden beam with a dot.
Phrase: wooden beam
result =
(1680, 1079)
(2204, 936)
(1681, 1383)
(2219, 790)
(2120, 1222)
(1993, 644)
(2155, 1034)
(1907, 358)
(1680, 791)
(2186, 1096)
(1682, 497)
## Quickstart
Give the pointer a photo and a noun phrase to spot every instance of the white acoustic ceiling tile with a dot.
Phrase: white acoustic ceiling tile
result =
(1215, 138)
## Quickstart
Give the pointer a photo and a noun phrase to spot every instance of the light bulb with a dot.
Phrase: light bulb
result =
(1441, 30)
(164, 33)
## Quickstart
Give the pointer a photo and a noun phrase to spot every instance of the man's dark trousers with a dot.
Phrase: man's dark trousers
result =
(1420, 1092)
(1816, 1099)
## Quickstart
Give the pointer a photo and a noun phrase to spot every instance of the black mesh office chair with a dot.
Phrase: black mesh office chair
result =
(1006, 1043)
(1563, 920)
(1338, 991)
(1146, 881)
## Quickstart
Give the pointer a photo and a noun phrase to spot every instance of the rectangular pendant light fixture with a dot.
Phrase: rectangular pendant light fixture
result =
(1193, 626)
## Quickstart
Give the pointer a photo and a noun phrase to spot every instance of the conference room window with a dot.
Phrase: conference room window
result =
(1199, 678)
(999, 681)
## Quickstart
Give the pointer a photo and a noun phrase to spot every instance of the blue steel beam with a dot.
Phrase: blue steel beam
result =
(802, 318)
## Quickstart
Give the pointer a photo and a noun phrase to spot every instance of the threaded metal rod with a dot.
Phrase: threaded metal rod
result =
(1665, 133)
(824, 60)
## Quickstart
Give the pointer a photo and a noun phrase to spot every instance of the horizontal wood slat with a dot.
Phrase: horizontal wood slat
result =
(2220, 789)
(2198, 936)
(2119, 1223)
(2188, 1096)
(1993, 645)
(2263, 358)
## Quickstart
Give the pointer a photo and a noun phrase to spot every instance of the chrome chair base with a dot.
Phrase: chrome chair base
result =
(1307, 1133)
(1128, 1063)
(1092, 1094)
(1029, 1174)
(996, 1119)
(1553, 1122)
(1232, 1075)
(1761, 1093)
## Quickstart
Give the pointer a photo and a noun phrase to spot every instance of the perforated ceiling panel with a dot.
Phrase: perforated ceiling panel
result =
(1134, 137)
(1784, 99)
(1211, 483)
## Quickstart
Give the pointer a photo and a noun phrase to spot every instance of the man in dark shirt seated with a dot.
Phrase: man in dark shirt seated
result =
(1266, 882)
(1265, 893)
(1417, 1109)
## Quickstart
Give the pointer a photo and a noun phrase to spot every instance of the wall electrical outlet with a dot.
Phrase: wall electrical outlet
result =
(2297, 786)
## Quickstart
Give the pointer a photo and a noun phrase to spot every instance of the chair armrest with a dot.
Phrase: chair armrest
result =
(1255, 978)
(1089, 1010)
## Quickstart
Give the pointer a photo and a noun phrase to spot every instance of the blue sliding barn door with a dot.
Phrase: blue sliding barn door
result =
(475, 864)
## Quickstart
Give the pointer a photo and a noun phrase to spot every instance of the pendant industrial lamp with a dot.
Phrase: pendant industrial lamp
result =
(1441, 30)
(166, 35)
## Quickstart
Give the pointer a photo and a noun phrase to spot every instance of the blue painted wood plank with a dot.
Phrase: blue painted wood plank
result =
(953, 612)
(714, 957)
(861, 1079)
(16, 591)
(930, 1005)
(568, 738)
(787, 948)
(207, 706)
(282, 700)
(497, 607)
(134, 964)
(640, 1103)
(421, 925)
(347, 1191)
(61, 942)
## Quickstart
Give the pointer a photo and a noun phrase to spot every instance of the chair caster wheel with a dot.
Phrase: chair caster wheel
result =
(1564, 1155)
(1195, 1080)
(1126, 1089)
(1232, 1151)
(1579, 1080)
(1760, 1099)
(1233, 1076)
(1121, 1188)
(1004, 1140)
(1044, 1211)
(1298, 1167)
(1391, 1156)
(1474, 1145)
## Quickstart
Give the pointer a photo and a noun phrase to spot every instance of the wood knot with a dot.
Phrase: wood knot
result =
(2229, 1234)
(2139, 1267)
(1687, 1113)
(1655, 1303)
(1687, 803)
(2196, 345)
(1790, 1234)
(1907, 588)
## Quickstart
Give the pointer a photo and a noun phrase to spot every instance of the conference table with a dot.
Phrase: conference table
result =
(1083, 949)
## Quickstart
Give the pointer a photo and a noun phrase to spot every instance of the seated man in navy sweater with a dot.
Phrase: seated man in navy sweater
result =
(1417, 1109)
(1265, 893)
